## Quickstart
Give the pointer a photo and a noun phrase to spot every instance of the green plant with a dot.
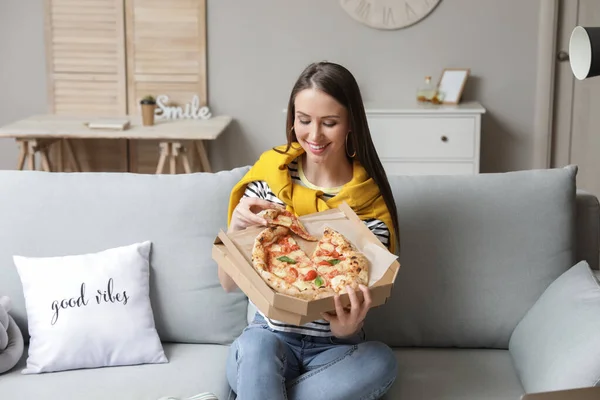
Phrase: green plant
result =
(148, 100)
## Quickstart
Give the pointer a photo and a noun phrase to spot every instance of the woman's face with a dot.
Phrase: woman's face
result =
(321, 125)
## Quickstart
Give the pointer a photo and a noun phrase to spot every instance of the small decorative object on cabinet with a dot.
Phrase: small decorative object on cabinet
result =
(452, 83)
(428, 93)
(428, 139)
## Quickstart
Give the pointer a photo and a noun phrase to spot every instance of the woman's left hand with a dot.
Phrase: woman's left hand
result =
(346, 323)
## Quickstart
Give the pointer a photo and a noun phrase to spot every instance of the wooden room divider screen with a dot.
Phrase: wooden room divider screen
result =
(103, 56)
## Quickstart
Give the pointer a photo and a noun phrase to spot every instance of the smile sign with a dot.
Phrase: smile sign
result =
(191, 110)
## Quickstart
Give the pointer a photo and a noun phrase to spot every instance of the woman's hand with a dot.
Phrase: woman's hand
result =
(244, 214)
(346, 323)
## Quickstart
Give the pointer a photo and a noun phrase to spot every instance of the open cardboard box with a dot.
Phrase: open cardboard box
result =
(233, 253)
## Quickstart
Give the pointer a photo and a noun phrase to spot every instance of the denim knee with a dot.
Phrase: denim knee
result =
(383, 363)
(259, 341)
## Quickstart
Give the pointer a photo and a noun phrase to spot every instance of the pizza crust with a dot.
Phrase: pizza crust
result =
(262, 243)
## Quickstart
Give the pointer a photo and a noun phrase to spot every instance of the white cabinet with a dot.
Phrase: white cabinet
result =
(428, 139)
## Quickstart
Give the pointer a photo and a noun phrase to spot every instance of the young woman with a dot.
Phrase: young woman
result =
(329, 159)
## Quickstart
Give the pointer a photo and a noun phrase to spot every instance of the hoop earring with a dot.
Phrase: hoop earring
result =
(353, 154)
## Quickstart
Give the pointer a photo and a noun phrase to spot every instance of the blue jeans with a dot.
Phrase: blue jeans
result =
(267, 364)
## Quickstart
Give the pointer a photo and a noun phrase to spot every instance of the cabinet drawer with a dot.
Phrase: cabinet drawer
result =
(424, 168)
(410, 137)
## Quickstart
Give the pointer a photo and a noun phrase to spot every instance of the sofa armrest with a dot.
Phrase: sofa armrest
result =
(592, 393)
(588, 229)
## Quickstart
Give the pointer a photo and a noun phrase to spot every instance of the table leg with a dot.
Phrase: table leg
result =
(31, 155)
(29, 148)
(174, 151)
(41, 146)
(71, 154)
(204, 163)
(22, 154)
(178, 151)
(172, 164)
(164, 152)
(26, 154)
(186, 162)
(45, 160)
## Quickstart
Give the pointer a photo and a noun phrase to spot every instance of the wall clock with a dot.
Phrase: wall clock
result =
(388, 14)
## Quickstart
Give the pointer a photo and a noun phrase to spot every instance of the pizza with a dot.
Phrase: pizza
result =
(281, 263)
(286, 268)
(287, 219)
(338, 260)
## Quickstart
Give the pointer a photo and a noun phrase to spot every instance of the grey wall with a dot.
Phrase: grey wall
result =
(22, 67)
(256, 50)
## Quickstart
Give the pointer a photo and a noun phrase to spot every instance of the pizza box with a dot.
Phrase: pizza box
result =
(233, 253)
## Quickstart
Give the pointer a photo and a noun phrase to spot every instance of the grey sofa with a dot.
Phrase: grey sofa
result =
(476, 254)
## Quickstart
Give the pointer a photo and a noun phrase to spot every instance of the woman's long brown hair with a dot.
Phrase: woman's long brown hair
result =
(338, 82)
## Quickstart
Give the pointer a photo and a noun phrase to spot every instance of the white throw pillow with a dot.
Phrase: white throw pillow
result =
(556, 346)
(90, 310)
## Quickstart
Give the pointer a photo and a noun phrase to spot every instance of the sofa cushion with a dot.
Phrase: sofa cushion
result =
(53, 214)
(192, 369)
(476, 253)
(450, 374)
(89, 310)
(557, 344)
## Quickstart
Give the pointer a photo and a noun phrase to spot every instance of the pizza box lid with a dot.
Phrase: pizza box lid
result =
(233, 252)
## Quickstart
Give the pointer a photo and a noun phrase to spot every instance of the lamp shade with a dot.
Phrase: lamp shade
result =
(584, 52)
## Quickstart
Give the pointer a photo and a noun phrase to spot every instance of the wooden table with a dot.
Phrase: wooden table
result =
(35, 134)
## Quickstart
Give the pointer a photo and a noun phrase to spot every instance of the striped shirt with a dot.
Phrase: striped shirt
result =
(261, 190)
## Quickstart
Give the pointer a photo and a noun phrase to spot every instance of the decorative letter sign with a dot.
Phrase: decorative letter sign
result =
(191, 111)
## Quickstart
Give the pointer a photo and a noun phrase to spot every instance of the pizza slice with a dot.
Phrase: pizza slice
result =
(284, 266)
(287, 219)
(339, 262)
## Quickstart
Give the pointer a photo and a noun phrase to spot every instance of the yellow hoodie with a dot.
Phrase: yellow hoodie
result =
(361, 193)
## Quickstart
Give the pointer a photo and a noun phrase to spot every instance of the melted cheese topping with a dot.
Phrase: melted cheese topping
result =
(337, 280)
(323, 269)
(327, 247)
(305, 269)
(287, 221)
(275, 247)
(281, 268)
(280, 272)
(304, 285)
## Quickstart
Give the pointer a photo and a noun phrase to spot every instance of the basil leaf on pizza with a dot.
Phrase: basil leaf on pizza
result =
(286, 259)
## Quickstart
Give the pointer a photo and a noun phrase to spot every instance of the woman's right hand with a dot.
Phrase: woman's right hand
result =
(244, 214)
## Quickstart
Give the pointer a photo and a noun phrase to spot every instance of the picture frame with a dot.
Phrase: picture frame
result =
(452, 84)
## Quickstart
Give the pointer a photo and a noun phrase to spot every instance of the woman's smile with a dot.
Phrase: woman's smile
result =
(315, 148)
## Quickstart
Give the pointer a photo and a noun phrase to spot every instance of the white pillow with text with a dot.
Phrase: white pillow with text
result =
(90, 310)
